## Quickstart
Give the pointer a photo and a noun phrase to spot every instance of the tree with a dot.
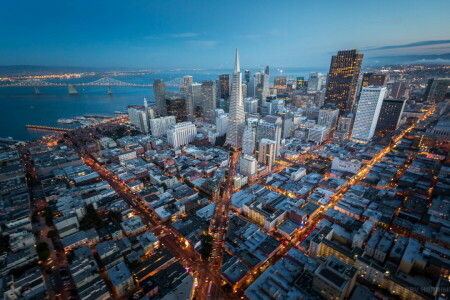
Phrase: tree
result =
(91, 219)
(43, 251)
(51, 234)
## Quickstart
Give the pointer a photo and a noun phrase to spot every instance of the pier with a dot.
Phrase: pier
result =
(48, 128)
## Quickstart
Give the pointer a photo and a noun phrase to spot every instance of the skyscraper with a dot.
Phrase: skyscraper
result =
(390, 114)
(159, 90)
(247, 76)
(328, 115)
(195, 97)
(209, 100)
(342, 79)
(249, 138)
(300, 82)
(187, 80)
(224, 86)
(315, 82)
(367, 114)
(280, 83)
(181, 134)
(236, 117)
(176, 106)
(436, 90)
(269, 127)
(267, 152)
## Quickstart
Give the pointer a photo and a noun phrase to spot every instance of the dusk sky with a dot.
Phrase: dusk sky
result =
(204, 34)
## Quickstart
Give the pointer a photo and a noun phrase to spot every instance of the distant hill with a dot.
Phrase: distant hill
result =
(429, 59)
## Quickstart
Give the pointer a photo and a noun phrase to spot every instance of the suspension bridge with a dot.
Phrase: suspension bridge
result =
(72, 87)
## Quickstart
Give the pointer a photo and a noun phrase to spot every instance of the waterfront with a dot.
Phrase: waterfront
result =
(20, 106)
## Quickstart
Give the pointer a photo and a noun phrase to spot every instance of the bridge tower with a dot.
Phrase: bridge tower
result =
(72, 90)
(109, 90)
(37, 91)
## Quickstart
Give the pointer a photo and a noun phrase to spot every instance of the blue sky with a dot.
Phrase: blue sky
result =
(204, 33)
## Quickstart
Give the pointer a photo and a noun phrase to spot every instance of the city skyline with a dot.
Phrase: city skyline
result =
(144, 35)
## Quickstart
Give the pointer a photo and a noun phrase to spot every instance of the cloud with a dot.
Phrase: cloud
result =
(204, 43)
(183, 35)
(410, 45)
(249, 36)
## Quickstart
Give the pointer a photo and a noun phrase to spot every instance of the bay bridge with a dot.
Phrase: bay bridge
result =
(72, 87)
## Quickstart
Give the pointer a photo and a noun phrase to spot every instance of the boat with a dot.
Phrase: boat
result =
(119, 112)
(65, 121)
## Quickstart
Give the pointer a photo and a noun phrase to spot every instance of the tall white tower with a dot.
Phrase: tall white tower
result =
(236, 117)
(366, 119)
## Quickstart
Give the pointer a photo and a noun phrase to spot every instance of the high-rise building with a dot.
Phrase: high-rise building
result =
(280, 83)
(328, 115)
(300, 83)
(267, 71)
(372, 79)
(159, 126)
(367, 114)
(159, 90)
(267, 152)
(261, 86)
(247, 76)
(196, 100)
(249, 138)
(139, 119)
(251, 105)
(209, 100)
(187, 80)
(269, 127)
(176, 106)
(222, 123)
(390, 115)
(342, 79)
(236, 116)
(181, 134)
(315, 82)
(436, 90)
(247, 165)
(397, 89)
(224, 86)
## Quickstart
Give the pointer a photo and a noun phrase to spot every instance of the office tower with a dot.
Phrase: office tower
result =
(397, 89)
(267, 71)
(188, 80)
(342, 79)
(159, 90)
(315, 82)
(160, 125)
(244, 90)
(176, 106)
(318, 133)
(247, 76)
(222, 123)
(224, 86)
(249, 138)
(269, 127)
(280, 83)
(300, 83)
(261, 86)
(368, 112)
(195, 99)
(223, 104)
(139, 119)
(250, 106)
(372, 79)
(390, 115)
(344, 126)
(267, 152)
(288, 124)
(328, 115)
(209, 100)
(251, 87)
(181, 134)
(247, 165)
(236, 116)
(436, 90)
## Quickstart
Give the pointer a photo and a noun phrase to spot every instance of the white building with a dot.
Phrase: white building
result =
(139, 119)
(248, 165)
(249, 138)
(222, 123)
(369, 107)
(251, 105)
(318, 133)
(181, 134)
(267, 152)
(159, 126)
(315, 82)
(350, 165)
